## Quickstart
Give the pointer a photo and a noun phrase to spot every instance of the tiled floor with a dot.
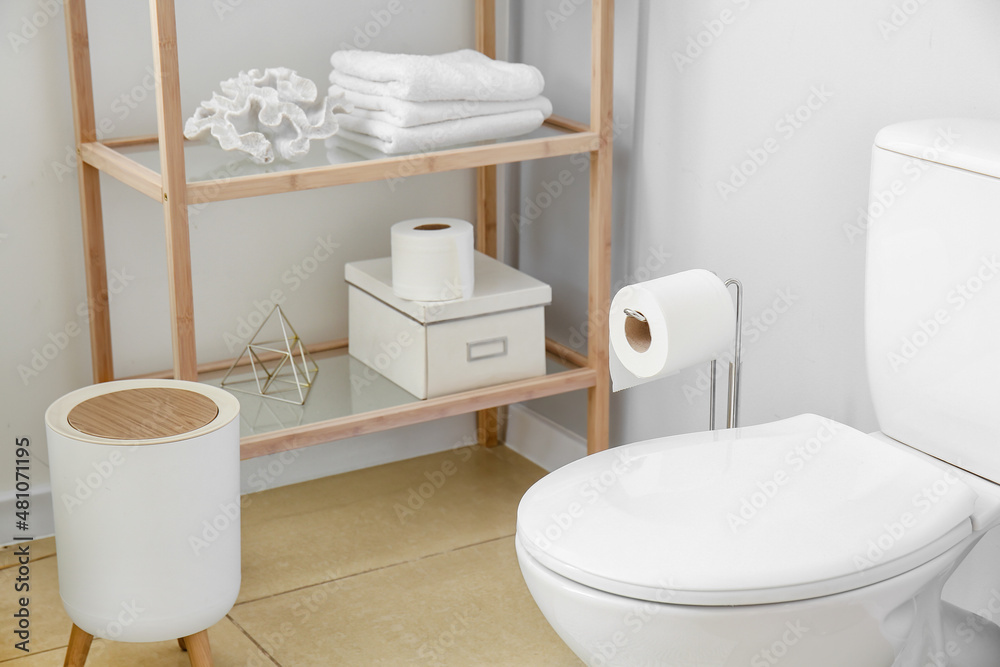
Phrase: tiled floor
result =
(410, 563)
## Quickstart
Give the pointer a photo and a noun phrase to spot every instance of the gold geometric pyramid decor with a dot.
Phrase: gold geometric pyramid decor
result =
(282, 369)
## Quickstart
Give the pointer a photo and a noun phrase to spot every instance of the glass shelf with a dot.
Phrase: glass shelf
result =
(217, 175)
(205, 161)
(343, 387)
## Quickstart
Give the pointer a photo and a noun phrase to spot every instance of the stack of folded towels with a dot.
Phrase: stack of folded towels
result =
(409, 103)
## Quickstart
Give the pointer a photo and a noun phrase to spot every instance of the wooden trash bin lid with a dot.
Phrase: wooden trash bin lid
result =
(144, 413)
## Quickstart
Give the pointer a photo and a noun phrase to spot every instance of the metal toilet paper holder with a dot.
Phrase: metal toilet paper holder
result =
(733, 397)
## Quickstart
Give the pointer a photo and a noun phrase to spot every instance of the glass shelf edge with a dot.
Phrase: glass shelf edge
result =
(339, 428)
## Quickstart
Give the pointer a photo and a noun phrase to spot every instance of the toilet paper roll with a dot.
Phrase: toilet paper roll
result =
(432, 259)
(689, 319)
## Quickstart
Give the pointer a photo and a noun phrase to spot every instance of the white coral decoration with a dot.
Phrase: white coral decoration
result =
(267, 114)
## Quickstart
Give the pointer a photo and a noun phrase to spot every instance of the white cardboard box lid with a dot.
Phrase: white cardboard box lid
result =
(498, 288)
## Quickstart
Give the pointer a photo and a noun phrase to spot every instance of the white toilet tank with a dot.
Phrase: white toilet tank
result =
(932, 309)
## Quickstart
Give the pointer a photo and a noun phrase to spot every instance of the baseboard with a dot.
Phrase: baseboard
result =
(39, 514)
(541, 440)
(366, 451)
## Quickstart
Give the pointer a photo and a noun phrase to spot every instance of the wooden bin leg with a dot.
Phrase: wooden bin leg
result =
(198, 648)
(79, 647)
(487, 421)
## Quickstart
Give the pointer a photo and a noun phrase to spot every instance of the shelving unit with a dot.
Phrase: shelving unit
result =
(156, 166)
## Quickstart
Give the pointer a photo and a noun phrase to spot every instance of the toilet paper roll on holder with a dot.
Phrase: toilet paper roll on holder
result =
(733, 396)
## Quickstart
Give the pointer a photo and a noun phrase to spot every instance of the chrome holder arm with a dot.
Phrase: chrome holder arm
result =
(733, 402)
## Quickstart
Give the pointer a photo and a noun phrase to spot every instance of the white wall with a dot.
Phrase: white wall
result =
(789, 230)
(241, 250)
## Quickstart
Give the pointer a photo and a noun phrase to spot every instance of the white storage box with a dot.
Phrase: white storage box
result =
(436, 348)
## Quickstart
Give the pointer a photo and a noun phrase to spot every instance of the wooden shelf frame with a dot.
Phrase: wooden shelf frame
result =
(175, 193)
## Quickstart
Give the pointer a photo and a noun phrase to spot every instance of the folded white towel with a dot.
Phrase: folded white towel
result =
(341, 151)
(460, 75)
(405, 113)
(392, 139)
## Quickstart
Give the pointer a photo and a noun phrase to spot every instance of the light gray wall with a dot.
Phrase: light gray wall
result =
(241, 250)
(790, 232)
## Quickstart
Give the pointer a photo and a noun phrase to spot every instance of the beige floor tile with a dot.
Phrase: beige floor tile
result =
(39, 549)
(50, 658)
(49, 623)
(464, 607)
(423, 595)
(330, 528)
(230, 648)
(50, 628)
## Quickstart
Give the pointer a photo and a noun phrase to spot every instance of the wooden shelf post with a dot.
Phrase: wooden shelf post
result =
(488, 422)
(89, 181)
(175, 212)
(599, 274)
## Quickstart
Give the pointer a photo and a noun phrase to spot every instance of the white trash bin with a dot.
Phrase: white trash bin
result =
(145, 486)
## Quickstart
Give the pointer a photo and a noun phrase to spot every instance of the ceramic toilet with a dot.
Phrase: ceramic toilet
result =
(804, 542)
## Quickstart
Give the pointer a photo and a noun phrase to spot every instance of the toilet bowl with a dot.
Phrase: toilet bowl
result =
(804, 542)
(801, 541)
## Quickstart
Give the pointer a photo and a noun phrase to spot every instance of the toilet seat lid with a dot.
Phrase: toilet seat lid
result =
(789, 510)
